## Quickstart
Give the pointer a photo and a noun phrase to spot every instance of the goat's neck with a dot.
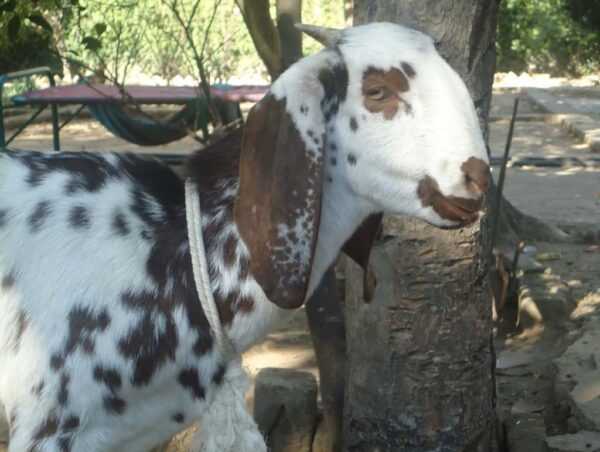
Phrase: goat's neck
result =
(342, 213)
(247, 315)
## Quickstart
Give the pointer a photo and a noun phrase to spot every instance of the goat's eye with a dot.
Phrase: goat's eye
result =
(378, 93)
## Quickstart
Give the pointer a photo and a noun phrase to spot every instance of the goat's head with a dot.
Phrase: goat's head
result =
(379, 112)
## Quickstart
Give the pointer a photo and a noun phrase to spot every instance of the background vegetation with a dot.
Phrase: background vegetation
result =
(557, 36)
(121, 39)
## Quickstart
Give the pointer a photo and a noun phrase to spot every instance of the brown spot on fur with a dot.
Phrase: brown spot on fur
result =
(56, 361)
(3, 215)
(382, 89)
(190, 380)
(408, 70)
(84, 325)
(477, 175)
(70, 423)
(219, 374)
(64, 443)
(37, 389)
(453, 208)
(119, 224)
(22, 323)
(114, 405)
(245, 304)
(12, 421)
(230, 250)
(63, 392)
(8, 281)
(47, 428)
(38, 216)
(109, 376)
(79, 217)
(149, 347)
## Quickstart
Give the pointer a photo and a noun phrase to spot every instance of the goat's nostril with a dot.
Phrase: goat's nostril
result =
(477, 175)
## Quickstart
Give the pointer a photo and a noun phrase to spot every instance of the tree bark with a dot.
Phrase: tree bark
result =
(278, 44)
(289, 12)
(420, 357)
(263, 33)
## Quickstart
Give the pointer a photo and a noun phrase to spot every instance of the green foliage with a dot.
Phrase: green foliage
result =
(115, 37)
(542, 36)
(585, 12)
(26, 36)
(325, 13)
(119, 39)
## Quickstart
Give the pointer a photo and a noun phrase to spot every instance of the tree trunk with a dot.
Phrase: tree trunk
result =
(278, 44)
(289, 12)
(420, 356)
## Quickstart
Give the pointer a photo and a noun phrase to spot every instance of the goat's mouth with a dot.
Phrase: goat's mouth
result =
(458, 210)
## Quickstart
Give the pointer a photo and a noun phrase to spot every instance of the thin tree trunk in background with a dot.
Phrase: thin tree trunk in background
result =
(263, 33)
(289, 12)
(420, 358)
(348, 12)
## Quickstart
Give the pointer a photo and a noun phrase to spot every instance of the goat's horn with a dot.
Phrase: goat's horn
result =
(329, 37)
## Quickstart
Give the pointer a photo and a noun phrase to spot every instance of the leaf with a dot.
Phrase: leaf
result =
(39, 20)
(14, 25)
(8, 6)
(91, 43)
(99, 28)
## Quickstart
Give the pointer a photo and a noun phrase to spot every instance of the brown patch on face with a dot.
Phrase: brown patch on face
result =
(453, 208)
(477, 175)
(381, 91)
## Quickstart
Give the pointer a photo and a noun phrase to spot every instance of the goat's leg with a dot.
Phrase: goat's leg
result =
(326, 322)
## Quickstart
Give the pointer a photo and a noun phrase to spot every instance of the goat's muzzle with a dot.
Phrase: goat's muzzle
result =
(457, 209)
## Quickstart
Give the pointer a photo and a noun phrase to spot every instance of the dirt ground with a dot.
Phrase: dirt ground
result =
(562, 279)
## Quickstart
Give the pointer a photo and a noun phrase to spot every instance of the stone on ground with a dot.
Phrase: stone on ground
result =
(579, 376)
(285, 409)
(579, 442)
(526, 433)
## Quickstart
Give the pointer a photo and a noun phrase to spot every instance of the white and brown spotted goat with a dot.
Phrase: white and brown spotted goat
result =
(104, 345)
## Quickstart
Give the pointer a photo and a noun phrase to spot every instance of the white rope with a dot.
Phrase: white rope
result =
(226, 426)
(200, 269)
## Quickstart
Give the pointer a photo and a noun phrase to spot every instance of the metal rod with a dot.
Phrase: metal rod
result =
(26, 124)
(13, 76)
(55, 128)
(2, 132)
(501, 177)
(72, 117)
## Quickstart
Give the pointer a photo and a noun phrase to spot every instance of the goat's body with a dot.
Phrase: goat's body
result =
(103, 343)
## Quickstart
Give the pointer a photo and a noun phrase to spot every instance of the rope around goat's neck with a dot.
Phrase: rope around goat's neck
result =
(193, 217)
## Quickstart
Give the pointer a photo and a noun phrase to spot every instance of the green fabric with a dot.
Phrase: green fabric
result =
(143, 130)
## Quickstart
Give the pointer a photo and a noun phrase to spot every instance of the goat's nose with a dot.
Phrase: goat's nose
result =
(477, 175)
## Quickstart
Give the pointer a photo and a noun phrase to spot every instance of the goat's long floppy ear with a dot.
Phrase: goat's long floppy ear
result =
(358, 247)
(279, 202)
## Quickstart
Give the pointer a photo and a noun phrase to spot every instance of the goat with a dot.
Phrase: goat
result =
(103, 341)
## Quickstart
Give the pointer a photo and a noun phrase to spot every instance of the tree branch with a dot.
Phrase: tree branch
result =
(263, 33)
